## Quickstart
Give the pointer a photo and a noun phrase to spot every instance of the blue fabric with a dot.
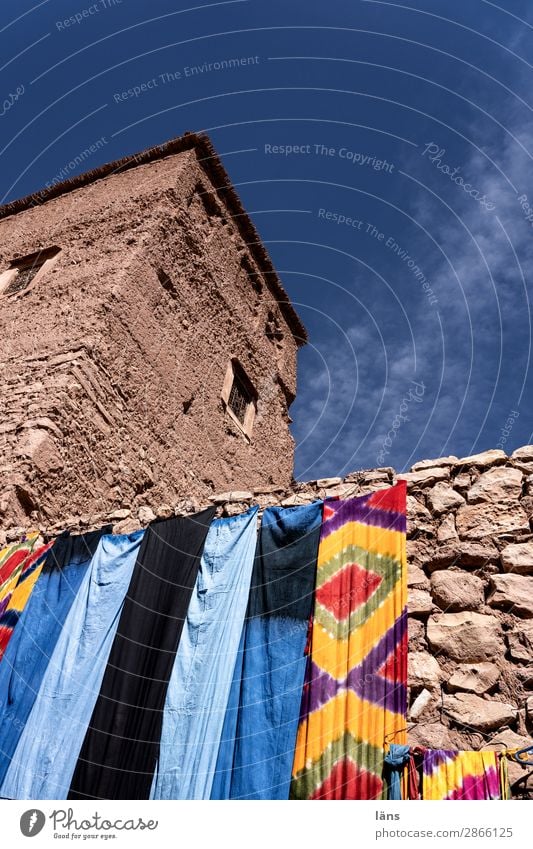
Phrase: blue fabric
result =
(395, 760)
(33, 641)
(46, 755)
(258, 739)
(201, 677)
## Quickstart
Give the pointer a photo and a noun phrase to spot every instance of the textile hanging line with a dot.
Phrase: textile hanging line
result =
(355, 694)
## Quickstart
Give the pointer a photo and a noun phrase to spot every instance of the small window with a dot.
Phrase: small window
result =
(239, 397)
(22, 272)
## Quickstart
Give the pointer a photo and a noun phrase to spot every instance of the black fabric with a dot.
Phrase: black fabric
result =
(67, 549)
(121, 746)
(283, 579)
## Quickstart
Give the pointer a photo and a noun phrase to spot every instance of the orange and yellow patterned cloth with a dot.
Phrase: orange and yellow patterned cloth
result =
(355, 696)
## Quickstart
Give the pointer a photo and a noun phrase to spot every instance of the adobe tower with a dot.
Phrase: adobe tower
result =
(147, 346)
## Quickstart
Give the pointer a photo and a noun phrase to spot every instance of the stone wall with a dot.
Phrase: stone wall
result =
(470, 577)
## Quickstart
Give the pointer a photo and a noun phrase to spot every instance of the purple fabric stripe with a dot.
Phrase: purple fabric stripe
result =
(357, 510)
(434, 759)
(323, 687)
(368, 685)
(363, 679)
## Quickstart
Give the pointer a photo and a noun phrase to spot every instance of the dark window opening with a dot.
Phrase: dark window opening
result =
(26, 269)
(239, 399)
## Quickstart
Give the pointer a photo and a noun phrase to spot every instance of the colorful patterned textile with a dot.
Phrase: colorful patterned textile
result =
(12, 559)
(450, 775)
(356, 687)
(27, 578)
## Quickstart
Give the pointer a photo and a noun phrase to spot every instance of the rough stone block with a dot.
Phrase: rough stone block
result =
(235, 496)
(433, 735)
(430, 464)
(146, 515)
(518, 558)
(467, 555)
(474, 677)
(446, 533)
(426, 477)
(419, 603)
(465, 636)
(481, 714)
(475, 521)
(442, 498)
(419, 518)
(417, 634)
(420, 704)
(520, 641)
(486, 458)
(453, 591)
(513, 593)
(525, 453)
(424, 671)
(417, 578)
(502, 484)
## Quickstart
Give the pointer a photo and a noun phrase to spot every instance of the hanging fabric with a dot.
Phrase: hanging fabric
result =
(395, 761)
(19, 597)
(261, 722)
(451, 775)
(414, 774)
(34, 640)
(45, 757)
(356, 685)
(200, 683)
(12, 560)
(121, 747)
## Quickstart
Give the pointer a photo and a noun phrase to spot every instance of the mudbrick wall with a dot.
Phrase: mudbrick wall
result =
(112, 361)
(470, 578)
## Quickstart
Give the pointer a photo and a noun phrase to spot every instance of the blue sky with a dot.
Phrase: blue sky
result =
(399, 221)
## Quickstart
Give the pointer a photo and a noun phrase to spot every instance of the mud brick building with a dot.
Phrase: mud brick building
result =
(147, 347)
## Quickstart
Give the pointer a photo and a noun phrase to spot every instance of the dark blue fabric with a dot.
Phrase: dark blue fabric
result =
(259, 735)
(33, 641)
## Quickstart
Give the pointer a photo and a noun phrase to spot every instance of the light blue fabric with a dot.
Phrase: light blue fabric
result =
(261, 723)
(46, 755)
(32, 644)
(395, 760)
(201, 678)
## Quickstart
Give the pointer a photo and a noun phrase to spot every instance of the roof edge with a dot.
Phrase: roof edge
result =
(211, 163)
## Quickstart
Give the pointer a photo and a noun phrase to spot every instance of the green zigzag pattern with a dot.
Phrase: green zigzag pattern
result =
(360, 752)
